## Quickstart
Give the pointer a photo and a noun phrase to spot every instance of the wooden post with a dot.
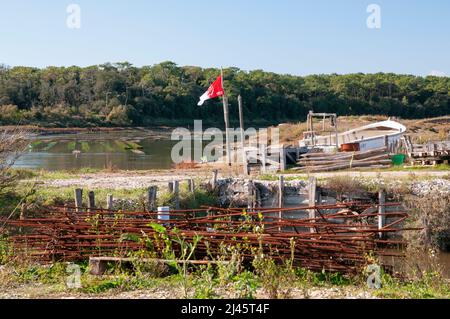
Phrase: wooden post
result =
(250, 196)
(23, 212)
(191, 185)
(241, 121)
(336, 132)
(312, 198)
(176, 192)
(263, 152)
(91, 201)
(170, 186)
(381, 211)
(78, 199)
(109, 202)
(214, 179)
(151, 198)
(227, 125)
(280, 198)
(282, 158)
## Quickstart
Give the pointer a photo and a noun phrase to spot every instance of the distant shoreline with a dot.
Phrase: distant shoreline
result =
(76, 130)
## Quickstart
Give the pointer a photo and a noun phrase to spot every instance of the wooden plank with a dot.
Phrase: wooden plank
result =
(355, 164)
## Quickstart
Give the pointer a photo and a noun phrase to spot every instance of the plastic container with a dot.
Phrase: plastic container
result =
(163, 213)
(350, 147)
(398, 159)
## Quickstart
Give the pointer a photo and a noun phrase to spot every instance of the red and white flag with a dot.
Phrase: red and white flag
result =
(215, 90)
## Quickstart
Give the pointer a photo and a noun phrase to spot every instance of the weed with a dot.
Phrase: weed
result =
(245, 285)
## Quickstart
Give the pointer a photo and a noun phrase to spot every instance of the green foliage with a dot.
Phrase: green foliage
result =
(53, 274)
(276, 280)
(122, 94)
(204, 283)
(245, 285)
(6, 250)
(431, 285)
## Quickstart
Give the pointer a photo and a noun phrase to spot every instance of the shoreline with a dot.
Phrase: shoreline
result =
(76, 130)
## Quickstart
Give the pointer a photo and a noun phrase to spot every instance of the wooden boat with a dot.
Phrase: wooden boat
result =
(386, 133)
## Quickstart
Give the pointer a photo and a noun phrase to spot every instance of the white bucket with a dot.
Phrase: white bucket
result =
(163, 213)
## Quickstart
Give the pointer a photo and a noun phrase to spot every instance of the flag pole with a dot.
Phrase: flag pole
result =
(227, 121)
(241, 122)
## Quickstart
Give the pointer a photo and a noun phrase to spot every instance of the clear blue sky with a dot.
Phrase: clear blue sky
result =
(287, 36)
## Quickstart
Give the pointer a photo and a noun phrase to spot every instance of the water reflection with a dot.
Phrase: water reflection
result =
(130, 150)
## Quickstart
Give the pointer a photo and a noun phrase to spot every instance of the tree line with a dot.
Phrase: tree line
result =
(121, 94)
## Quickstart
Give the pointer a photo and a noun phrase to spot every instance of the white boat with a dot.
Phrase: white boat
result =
(387, 133)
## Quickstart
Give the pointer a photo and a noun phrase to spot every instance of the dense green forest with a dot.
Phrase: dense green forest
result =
(123, 95)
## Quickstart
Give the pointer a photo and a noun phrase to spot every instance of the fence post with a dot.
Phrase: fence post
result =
(191, 185)
(282, 158)
(250, 195)
(381, 212)
(176, 192)
(151, 198)
(91, 201)
(214, 179)
(263, 152)
(312, 199)
(78, 199)
(109, 202)
(280, 198)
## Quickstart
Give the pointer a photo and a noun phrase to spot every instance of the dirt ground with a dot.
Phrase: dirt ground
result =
(162, 292)
(142, 179)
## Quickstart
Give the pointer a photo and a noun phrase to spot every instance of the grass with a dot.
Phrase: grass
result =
(439, 167)
(204, 283)
(432, 286)
(129, 199)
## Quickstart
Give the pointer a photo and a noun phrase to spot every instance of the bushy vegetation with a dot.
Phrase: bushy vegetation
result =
(121, 95)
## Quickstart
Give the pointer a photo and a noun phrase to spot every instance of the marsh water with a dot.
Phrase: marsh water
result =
(125, 149)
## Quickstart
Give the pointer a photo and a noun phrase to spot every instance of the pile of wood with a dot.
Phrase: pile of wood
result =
(431, 153)
(322, 162)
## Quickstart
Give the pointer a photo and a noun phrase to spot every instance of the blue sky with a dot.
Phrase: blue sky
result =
(286, 36)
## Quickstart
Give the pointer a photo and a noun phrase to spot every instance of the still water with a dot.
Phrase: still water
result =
(127, 150)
